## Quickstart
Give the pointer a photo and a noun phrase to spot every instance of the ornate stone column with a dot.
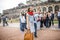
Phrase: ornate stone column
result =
(46, 8)
(53, 8)
(41, 9)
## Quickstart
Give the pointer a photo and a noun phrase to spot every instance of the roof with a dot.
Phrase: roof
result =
(42, 3)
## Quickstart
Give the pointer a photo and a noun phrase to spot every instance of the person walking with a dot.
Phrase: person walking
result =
(48, 20)
(44, 18)
(4, 18)
(59, 18)
(35, 23)
(38, 20)
(52, 18)
(30, 20)
(22, 22)
(41, 19)
(0, 19)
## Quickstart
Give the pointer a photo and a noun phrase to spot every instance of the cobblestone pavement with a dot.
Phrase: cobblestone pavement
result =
(12, 25)
(12, 32)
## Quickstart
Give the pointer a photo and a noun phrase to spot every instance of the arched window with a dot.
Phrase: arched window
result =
(26, 10)
(34, 10)
(50, 9)
(56, 8)
(44, 9)
(22, 12)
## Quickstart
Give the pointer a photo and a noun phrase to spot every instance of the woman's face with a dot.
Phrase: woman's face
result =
(31, 9)
(38, 12)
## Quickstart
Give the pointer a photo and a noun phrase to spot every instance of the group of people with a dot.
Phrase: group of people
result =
(31, 20)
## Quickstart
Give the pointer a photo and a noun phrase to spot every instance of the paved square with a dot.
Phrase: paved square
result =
(12, 32)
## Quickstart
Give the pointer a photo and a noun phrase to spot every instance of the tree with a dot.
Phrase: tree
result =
(51, 0)
(0, 13)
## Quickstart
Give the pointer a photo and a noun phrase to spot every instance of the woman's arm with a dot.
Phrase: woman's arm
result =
(27, 19)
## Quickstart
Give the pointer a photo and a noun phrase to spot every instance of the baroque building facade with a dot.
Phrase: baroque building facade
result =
(36, 5)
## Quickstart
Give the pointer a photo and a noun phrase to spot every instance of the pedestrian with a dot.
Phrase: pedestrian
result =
(52, 18)
(59, 18)
(41, 19)
(0, 19)
(22, 22)
(47, 20)
(35, 23)
(44, 18)
(30, 20)
(4, 18)
(38, 20)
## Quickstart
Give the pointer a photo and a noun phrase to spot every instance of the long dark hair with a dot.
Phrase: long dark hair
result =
(29, 10)
(23, 15)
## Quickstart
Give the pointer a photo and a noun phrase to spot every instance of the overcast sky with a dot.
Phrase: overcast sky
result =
(6, 4)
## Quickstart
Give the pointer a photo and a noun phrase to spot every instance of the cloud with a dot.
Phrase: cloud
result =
(6, 4)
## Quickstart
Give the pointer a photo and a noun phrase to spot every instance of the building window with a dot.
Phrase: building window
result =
(34, 10)
(22, 12)
(50, 9)
(56, 8)
(44, 9)
(26, 10)
(51, 0)
(33, 0)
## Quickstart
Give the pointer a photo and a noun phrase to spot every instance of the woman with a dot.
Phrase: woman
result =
(36, 23)
(38, 20)
(52, 18)
(30, 20)
(0, 19)
(44, 18)
(59, 18)
(41, 19)
(49, 15)
(48, 20)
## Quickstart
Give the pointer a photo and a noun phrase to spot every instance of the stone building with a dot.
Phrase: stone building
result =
(36, 4)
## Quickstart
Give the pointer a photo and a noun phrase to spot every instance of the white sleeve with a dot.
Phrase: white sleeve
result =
(27, 14)
(41, 15)
(20, 17)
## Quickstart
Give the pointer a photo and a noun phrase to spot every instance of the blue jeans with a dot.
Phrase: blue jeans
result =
(59, 21)
(35, 33)
(52, 21)
(45, 22)
(5, 22)
(23, 26)
(48, 23)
